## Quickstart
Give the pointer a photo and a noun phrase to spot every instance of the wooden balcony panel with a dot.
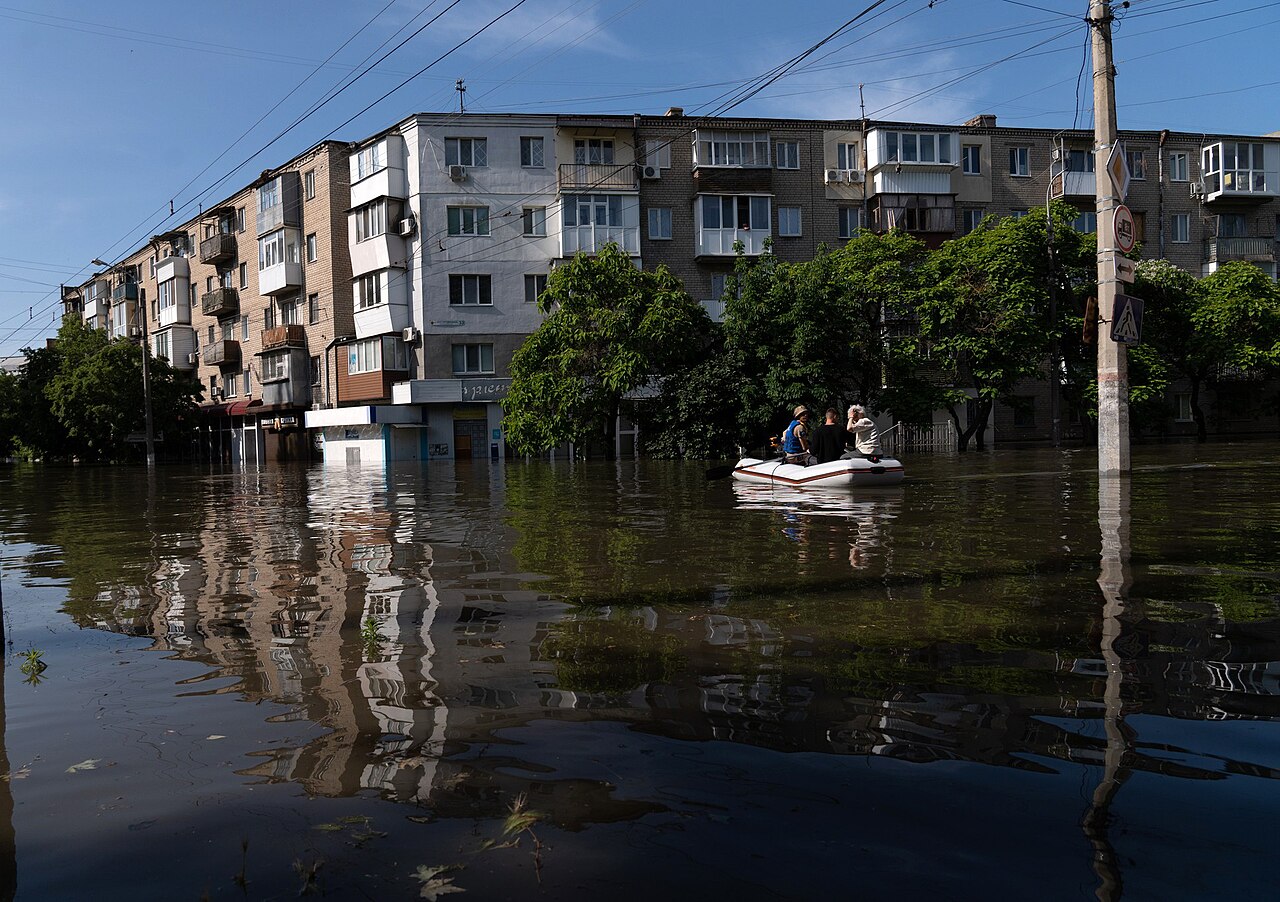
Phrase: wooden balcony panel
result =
(597, 177)
(290, 336)
(218, 248)
(222, 353)
(220, 302)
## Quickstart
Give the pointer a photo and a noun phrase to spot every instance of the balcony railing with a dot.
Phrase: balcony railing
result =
(218, 248)
(597, 177)
(1258, 250)
(125, 291)
(290, 336)
(220, 302)
(222, 353)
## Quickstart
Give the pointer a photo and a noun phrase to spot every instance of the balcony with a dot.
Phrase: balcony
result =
(1240, 171)
(279, 278)
(598, 177)
(1074, 184)
(126, 291)
(720, 242)
(218, 249)
(220, 302)
(222, 353)
(1255, 250)
(591, 239)
(290, 336)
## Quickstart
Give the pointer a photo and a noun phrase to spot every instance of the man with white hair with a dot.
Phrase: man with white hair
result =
(866, 440)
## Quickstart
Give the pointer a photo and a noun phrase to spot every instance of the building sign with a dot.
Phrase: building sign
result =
(1126, 232)
(448, 322)
(477, 390)
(1126, 320)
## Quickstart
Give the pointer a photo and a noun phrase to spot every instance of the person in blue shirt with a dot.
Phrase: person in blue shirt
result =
(795, 441)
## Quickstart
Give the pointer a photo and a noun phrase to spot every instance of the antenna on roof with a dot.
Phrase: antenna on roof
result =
(461, 87)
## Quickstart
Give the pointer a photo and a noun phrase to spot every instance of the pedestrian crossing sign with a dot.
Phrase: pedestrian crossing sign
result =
(1126, 320)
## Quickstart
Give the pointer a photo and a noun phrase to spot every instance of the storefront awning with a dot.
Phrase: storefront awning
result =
(240, 408)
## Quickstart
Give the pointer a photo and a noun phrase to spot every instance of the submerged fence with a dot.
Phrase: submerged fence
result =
(938, 438)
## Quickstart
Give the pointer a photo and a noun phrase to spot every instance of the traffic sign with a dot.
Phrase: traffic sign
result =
(1125, 231)
(1126, 320)
(1118, 169)
(1125, 269)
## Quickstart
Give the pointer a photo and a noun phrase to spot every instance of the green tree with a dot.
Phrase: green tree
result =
(611, 330)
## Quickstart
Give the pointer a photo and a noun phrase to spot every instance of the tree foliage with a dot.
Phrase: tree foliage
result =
(611, 330)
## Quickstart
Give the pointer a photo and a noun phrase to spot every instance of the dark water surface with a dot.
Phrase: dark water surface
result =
(996, 682)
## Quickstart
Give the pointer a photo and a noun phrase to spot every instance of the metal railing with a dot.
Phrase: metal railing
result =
(938, 438)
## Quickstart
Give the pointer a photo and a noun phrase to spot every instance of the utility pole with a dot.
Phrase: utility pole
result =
(1113, 364)
(146, 380)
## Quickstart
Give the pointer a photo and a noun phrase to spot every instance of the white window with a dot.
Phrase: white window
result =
(395, 354)
(1137, 160)
(742, 213)
(1179, 169)
(850, 221)
(1180, 228)
(593, 150)
(658, 153)
(316, 372)
(312, 251)
(231, 385)
(160, 346)
(534, 285)
(244, 275)
(1233, 166)
(789, 222)
(368, 291)
(371, 159)
(466, 152)
(531, 153)
(309, 183)
(1017, 214)
(281, 246)
(371, 220)
(1020, 161)
(659, 223)
(1086, 222)
(244, 327)
(239, 219)
(534, 221)
(846, 155)
(788, 154)
(313, 309)
(154, 260)
(364, 356)
(168, 293)
(1182, 403)
(289, 312)
(969, 220)
(917, 147)
(472, 359)
(248, 384)
(275, 367)
(971, 159)
(592, 209)
(468, 220)
(269, 195)
(747, 149)
(469, 290)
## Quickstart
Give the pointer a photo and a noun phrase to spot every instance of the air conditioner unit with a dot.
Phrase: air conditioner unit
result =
(835, 175)
(135, 332)
(1197, 189)
(853, 175)
(458, 173)
(410, 334)
(216, 394)
(193, 358)
(408, 226)
(651, 172)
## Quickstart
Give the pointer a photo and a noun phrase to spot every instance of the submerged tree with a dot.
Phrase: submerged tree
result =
(611, 330)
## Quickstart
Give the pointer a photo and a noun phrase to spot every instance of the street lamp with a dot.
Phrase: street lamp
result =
(141, 313)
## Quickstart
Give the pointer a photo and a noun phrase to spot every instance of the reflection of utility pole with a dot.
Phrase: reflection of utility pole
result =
(1114, 580)
(1113, 367)
(8, 840)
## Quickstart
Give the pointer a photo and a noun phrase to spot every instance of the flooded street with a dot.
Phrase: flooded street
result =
(994, 682)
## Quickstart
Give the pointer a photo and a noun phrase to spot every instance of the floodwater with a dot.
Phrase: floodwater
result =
(998, 681)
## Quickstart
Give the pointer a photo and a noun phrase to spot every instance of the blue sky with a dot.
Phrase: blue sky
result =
(110, 111)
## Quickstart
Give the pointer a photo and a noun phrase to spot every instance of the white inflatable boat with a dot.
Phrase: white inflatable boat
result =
(855, 472)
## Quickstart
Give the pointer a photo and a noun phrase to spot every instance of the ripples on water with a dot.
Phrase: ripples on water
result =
(698, 687)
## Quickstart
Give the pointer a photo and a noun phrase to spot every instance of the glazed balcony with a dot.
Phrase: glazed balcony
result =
(220, 302)
(222, 353)
(290, 336)
(1255, 250)
(126, 291)
(218, 248)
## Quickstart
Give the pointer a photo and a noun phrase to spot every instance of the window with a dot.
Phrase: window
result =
(213, 386)
(226, 279)
(191, 291)
(229, 331)
(1182, 405)
(281, 246)
(371, 159)
(312, 254)
(208, 284)
(395, 354)
(1233, 166)
(1139, 226)
(970, 220)
(1020, 161)
(846, 156)
(289, 311)
(1179, 168)
(468, 220)
(239, 219)
(168, 292)
(593, 150)
(160, 346)
(1086, 222)
(1017, 214)
(1180, 228)
(472, 359)
(364, 356)
(659, 223)
(1137, 160)
(313, 308)
(917, 147)
(248, 384)
(268, 317)
(309, 183)
(534, 221)
(368, 291)
(275, 367)
(154, 260)
(788, 154)
(371, 220)
(850, 221)
(733, 149)
(534, 285)
(1232, 225)
(741, 213)
(211, 333)
(244, 327)
(789, 222)
(269, 195)
(658, 153)
(1080, 161)
(315, 370)
(592, 209)
(1024, 412)
(531, 153)
(244, 275)
(971, 159)
(230, 385)
(466, 152)
(470, 290)
(718, 282)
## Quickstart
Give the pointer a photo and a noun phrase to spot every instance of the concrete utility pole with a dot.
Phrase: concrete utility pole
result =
(1113, 362)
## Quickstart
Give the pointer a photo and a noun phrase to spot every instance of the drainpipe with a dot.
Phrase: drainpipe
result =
(1164, 136)
(327, 349)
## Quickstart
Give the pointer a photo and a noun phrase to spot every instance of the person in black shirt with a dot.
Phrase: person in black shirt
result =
(829, 439)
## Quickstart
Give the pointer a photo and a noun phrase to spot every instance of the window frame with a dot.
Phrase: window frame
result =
(799, 221)
(845, 230)
(1185, 219)
(274, 367)
(533, 222)
(483, 291)
(1020, 161)
(971, 153)
(538, 282)
(454, 156)
(791, 151)
(467, 221)
(663, 214)
(313, 249)
(309, 184)
(1179, 160)
(362, 287)
(529, 143)
(466, 347)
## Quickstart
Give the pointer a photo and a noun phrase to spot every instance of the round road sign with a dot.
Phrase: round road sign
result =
(1124, 231)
